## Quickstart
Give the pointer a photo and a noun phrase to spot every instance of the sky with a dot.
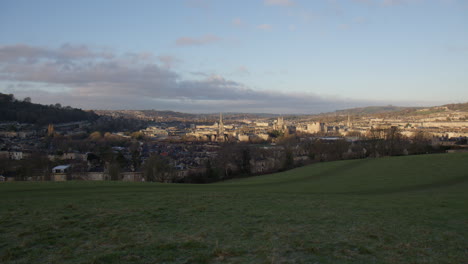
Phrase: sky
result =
(262, 56)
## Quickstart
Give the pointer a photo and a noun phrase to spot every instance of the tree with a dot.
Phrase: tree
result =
(114, 170)
(337, 149)
(25, 111)
(315, 150)
(211, 174)
(245, 166)
(138, 135)
(34, 165)
(135, 151)
(393, 141)
(121, 160)
(356, 134)
(228, 157)
(375, 137)
(79, 170)
(95, 136)
(421, 142)
(157, 168)
(275, 134)
(107, 155)
(288, 159)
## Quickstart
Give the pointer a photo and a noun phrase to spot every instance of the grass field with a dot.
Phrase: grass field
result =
(391, 210)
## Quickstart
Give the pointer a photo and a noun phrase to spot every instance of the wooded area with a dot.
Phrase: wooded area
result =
(24, 111)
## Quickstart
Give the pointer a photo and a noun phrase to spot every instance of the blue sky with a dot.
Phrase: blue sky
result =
(281, 56)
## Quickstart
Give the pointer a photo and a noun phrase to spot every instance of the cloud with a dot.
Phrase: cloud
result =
(168, 61)
(237, 22)
(265, 27)
(344, 26)
(63, 53)
(242, 70)
(197, 73)
(91, 79)
(189, 41)
(279, 2)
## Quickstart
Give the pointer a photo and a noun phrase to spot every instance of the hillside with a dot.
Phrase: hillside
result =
(457, 107)
(402, 111)
(364, 176)
(12, 110)
(374, 110)
(392, 210)
(158, 115)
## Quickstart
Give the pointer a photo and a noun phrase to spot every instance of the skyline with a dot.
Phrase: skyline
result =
(272, 56)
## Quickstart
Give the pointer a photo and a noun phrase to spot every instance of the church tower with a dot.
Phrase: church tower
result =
(50, 130)
(220, 128)
(279, 124)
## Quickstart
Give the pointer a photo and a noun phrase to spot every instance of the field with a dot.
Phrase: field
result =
(410, 209)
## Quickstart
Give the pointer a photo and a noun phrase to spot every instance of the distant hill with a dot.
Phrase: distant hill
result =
(147, 115)
(457, 107)
(376, 110)
(13, 110)
(166, 115)
(402, 111)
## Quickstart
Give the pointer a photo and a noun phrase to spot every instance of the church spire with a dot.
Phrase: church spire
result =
(220, 128)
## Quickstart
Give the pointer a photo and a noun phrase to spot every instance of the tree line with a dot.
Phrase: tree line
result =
(24, 111)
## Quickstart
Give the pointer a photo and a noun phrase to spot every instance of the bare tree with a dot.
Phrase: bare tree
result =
(114, 171)
(229, 159)
(157, 168)
(421, 142)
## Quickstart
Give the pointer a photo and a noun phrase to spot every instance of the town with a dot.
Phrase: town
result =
(166, 146)
(234, 132)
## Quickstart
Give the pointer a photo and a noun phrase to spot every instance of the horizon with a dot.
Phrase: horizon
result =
(265, 56)
(253, 113)
(260, 113)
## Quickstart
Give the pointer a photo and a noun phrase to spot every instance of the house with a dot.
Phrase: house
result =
(68, 156)
(16, 155)
(61, 169)
(59, 173)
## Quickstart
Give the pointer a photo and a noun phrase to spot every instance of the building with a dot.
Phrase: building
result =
(221, 137)
(311, 128)
(59, 173)
(279, 124)
(16, 155)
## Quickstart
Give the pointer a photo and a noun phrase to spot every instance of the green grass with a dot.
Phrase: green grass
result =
(392, 210)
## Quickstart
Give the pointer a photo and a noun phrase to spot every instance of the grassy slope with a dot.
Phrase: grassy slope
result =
(391, 210)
